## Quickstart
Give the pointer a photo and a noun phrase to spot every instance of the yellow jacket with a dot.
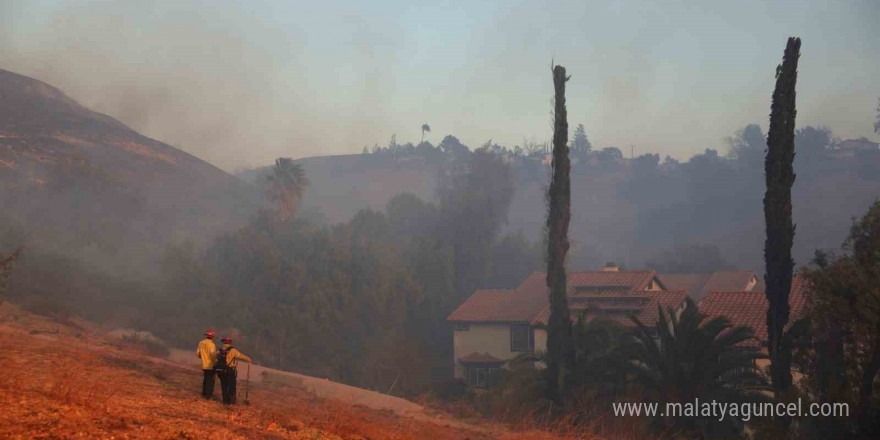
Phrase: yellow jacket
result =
(207, 352)
(232, 354)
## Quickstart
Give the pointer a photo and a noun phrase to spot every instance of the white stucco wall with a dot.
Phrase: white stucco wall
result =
(540, 339)
(482, 338)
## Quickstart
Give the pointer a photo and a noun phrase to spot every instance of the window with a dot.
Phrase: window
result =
(483, 376)
(520, 338)
(461, 326)
(476, 376)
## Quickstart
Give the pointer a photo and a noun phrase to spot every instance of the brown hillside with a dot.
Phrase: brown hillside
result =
(80, 178)
(70, 380)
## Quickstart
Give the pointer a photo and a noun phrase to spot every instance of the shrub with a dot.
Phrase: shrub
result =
(147, 344)
(449, 390)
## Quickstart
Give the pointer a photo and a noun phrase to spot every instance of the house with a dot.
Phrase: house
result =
(749, 308)
(851, 147)
(698, 286)
(494, 326)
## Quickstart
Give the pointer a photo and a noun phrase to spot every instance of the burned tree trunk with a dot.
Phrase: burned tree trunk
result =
(559, 345)
(6, 264)
(777, 216)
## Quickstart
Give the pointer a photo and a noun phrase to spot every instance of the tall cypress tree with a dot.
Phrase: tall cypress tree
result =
(777, 215)
(560, 353)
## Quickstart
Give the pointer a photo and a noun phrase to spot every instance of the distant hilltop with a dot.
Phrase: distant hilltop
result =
(72, 178)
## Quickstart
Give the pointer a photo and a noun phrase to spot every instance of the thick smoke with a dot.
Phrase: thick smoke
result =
(241, 84)
(189, 75)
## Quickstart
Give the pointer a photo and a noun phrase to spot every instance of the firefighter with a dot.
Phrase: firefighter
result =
(227, 363)
(207, 352)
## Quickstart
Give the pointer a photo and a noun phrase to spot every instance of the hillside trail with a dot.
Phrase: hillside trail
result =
(327, 389)
(68, 378)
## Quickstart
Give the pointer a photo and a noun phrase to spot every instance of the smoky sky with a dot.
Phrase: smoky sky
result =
(239, 84)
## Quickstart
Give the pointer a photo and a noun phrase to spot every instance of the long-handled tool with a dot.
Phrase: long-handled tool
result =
(247, 379)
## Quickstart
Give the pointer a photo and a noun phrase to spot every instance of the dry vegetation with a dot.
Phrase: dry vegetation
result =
(66, 380)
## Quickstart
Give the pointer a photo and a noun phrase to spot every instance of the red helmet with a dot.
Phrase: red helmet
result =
(209, 333)
(227, 340)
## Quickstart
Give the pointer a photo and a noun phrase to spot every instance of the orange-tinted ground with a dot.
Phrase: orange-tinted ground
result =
(66, 380)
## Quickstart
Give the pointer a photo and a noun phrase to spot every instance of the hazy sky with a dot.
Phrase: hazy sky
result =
(240, 84)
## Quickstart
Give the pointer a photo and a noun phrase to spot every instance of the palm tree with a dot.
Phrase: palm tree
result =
(689, 357)
(425, 127)
(286, 186)
(598, 354)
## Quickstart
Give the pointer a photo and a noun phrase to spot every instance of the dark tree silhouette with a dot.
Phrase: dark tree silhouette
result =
(747, 145)
(286, 186)
(580, 145)
(425, 128)
(840, 357)
(778, 167)
(475, 199)
(560, 353)
(877, 123)
(451, 146)
(812, 141)
(609, 156)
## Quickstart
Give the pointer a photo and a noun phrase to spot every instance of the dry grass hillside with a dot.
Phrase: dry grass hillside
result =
(80, 179)
(68, 379)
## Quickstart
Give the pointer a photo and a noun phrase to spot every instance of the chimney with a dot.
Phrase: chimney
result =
(610, 267)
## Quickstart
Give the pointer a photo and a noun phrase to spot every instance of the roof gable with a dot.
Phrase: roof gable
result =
(749, 308)
(692, 283)
(643, 305)
(634, 279)
(497, 306)
(699, 285)
(729, 280)
(480, 358)
(528, 300)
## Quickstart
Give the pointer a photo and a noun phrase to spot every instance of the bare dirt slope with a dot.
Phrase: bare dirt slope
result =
(67, 380)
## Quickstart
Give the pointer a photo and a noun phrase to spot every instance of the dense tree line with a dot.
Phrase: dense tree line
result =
(641, 208)
(839, 356)
(363, 302)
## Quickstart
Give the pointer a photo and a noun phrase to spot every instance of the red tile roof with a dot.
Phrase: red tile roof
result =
(601, 291)
(518, 305)
(498, 306)
(531, 297)
(699, 285)
(750, 308)
(650, 314)
(641, 304)
(727, 280)
(636, 279)
(690, 282)
(480, 358)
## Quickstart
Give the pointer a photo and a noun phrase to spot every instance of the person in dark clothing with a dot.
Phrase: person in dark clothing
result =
(207, 353)
(227, 364)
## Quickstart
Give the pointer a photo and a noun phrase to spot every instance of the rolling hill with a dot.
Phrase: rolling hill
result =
(79, 181)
